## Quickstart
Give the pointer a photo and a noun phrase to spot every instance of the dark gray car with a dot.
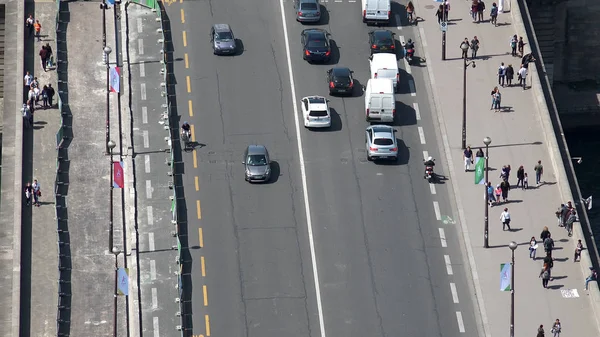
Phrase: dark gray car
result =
(308, 10)
(257, 164)
(222, 39)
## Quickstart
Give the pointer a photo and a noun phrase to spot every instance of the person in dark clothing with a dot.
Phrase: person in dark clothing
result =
(479, 153)
(526, 59)
(540, 332)
(44, 57)
(45, 97)
(49, 50)
(510, 74)
(28, 193)
(480, 9)
(50, 93)
(549, 261)
(521, 177)
(545, 233)
(505, 187)
(548, 245)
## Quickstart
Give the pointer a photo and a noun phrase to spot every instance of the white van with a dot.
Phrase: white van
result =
(385, 65)
(380, 103)
(376, 11)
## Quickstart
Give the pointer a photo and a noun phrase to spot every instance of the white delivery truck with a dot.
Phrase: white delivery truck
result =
(376, 11)
(385, 65)
(380, 103)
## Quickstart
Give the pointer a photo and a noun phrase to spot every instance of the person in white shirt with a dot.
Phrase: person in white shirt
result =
(27, 80)
(505, 218)
(523, 77)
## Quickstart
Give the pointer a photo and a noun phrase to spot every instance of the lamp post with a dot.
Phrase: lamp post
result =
(445, 23)
(487, 141)
(110, 145)
(115, 251)
(465, 49)
(107, 51)
(512, 245)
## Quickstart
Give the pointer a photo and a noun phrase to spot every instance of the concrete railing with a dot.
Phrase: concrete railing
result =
(558, 148)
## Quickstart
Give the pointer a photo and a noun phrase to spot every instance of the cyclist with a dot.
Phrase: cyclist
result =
(185, 131)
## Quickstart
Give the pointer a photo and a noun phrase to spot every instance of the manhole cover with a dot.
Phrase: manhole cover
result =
(430, 6)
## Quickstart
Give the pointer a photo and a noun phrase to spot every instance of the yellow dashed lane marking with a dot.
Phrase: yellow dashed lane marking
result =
(188, 81)
(184, 39)
(182, 16)
(207, 322)
(205, 292)
(190, 109)
(187, 62)
(197, 183)
(198, 209)
(203, 266)
(201, 237)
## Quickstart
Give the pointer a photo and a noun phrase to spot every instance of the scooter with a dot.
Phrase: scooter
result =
(408, 54)
(185, 137)
(429, 174)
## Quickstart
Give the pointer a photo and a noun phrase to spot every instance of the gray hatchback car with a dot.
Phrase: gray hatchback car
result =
(222, 39)
(257, 164)
(381, 143)
(308, 10)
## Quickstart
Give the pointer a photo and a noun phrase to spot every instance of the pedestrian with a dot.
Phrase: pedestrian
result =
(50, 56)
(539, 171)
(548, 261)
(493, 94)
(28, 193)
(31, 94)
(474, 7)
(27, 117)
(440, 14)
(480, 9)
(45, 97)
(532, 247)
(593, 277)
(446, 10)
(520, 46)
(545, 276)
(561, 214)
(37, 26)
(464, 47)
(523, 77)
(507, 169)
(540, 331)
(548, 245)
(35, 83)
(29, 24)
(545, 233)
(505, 218)
(468, 158)
(513, 45)
(501, 74)
(556, 328)
(50, 93)
(497, 101)
(525, 182)
(505, 187)
(504, 173)
(490, 194)
(569, 223)
(527, 59)
(510, 74)
(474, 47)
(27, 80)
(479, 153)
(578, 250)
(498, 193)
(521, 176)
(37, 193)
(44, 57)
(494, 15)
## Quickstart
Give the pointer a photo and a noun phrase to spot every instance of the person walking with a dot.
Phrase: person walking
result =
(497, 101)
(50, 56)
(593, 277)
(468, 158)
(525, 182)
(561, 214)
(464, 47)
(498, 193)
(540, 331)
(548, 261)
(45, 97)
(493, 94)
(520, 177)
(50, 92)
(539, 171)
(27, 80)
(548, 245)
(513, 45)
(474, 47)
(37, 193)
(545, 233)
(480, 9)
(556, 328)
(505, 218)
(44, 57)
(523, 77)
(510, 74)
(494, 15)
(474, 7)
(545, 276)
(532, 247)
(490, 194)
(569, 223)
(505, 187)
(501, 74)
(578, 249)
(520, 46)
(440, 14)
(28, 194)
(29, 22)
(479, 153)
(37, 26)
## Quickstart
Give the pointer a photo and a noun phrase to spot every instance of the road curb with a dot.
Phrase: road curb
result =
(557, 163)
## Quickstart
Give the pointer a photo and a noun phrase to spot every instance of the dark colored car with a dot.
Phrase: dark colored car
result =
(340, 81)
(316, 45)
(382, 41)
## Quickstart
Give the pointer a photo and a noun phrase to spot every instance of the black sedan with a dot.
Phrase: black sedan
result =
(340, 81)
(316, 45)
(382, 41)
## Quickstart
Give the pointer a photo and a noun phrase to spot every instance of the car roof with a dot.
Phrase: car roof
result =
(340, 71)
(316, 99)
(314, 31)
(257, 149)
(382, 130)
(308, 1)
(382, 33)
(222, 27)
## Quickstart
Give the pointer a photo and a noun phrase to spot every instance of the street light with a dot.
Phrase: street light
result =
(115, 251)
(107, 51)
(110, 145)
(465, 49)
(512, 245)
(487, 141)
(444, 27)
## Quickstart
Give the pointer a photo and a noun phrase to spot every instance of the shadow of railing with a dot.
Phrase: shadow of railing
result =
(61, 183)
(560, 138)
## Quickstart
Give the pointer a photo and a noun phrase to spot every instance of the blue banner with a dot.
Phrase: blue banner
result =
(505, 276)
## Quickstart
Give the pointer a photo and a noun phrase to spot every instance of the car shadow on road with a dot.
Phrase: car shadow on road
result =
(275, 172)
(335, 53)
(405, 115)
(398, 18)
(357, 90)
(239, 47)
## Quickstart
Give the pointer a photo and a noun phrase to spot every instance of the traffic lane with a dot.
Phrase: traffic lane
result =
(352, 109)
(240, 101)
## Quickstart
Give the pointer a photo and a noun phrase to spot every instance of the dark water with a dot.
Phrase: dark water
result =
(585, 143)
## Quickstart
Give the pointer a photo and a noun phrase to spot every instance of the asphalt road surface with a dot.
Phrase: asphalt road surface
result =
(382, 268)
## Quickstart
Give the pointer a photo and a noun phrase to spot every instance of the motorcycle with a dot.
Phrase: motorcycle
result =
(429, 174)
(408, 54)
(185, 137)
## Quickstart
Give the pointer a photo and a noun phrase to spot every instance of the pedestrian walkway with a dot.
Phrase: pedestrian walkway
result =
(517, 139)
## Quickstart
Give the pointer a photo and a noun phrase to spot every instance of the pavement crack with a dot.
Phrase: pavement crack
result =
(220, 107)
(280, 89)
(210, 7)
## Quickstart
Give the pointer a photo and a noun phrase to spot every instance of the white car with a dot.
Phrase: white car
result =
(315, 110)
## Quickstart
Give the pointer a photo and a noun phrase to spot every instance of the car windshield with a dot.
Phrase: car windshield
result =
(383, 141)
(224, 36)
(308, 6)
(317, 44)
(257, 160)
(341, 79)
(383, 39)
(318, 113)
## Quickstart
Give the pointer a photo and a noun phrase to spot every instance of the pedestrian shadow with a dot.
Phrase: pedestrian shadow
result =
(561, 259)
(513, 201)
(557, 248)
(487, 57)
(504, 246)
(515, 229)
(516, 144)
(501, 24)
(556, 286)
(506, 109)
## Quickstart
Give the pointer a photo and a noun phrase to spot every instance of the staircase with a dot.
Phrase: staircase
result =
(544, 24)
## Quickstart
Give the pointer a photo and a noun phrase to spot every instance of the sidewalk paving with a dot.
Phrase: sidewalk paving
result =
(517, 139)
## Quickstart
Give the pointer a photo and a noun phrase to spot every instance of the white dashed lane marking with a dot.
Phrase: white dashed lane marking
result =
(152, 270)
(425, 155)
(151, 246)
(145, 115)
(421, 134)
(448, 265)
(150, 215)
(443, 237)
(154, 299)
(436, 209)
(155, 326)
(411, 86)
(454, 293)
(142, 69)
(147, 163)
(143, 91)
(140, 47)
(148, 189)
(140, 25)
(432, 188)
(417, 112)
(461, 325)
(146, 139)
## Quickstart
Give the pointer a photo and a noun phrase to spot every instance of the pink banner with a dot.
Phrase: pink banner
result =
(118, 179)
(115, 79)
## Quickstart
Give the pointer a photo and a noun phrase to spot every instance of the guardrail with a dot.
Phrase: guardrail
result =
(61, 182)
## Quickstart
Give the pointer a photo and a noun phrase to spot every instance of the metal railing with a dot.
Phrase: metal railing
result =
(61, 182)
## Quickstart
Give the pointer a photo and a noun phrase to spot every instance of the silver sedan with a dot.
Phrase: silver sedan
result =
(308, 10)
(381, 143)
(257, 164)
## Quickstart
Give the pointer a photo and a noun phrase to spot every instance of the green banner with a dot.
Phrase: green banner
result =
(479, 171)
